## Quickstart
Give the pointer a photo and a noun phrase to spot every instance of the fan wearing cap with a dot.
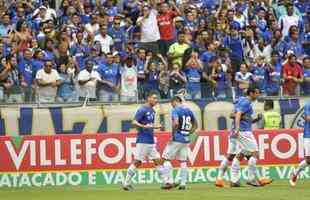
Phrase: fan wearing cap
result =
(50, 13)
(293, 76)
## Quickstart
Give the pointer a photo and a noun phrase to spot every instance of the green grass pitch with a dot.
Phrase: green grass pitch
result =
(279, 190)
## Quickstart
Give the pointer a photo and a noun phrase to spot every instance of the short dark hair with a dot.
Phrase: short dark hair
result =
(306, 58)
(251, 89)
(151, 93)
(274, 52)
(176, 98)
(269, 103)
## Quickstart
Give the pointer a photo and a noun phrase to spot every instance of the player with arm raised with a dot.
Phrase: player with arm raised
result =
(184, 124)
(145, 144)
(306, 162)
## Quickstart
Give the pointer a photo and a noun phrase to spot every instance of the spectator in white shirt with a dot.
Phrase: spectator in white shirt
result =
(129, 79)
(48, 80)
(104, 39)
(150, 34)
(87, 80)
(286, 21)
(93, 25)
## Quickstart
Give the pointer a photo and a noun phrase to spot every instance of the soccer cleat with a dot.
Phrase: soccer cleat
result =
(236, 184)
(293, 179)
(219, 183)
(169, 186)
(254, 183)
(127, 187)
(265, 181)
(182, 187)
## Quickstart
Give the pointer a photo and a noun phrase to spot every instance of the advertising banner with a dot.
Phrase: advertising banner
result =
(211, 115)
(98, 159)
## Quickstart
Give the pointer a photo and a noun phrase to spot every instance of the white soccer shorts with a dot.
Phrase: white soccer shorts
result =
(247, 142)
(176, 150)
(307, 146)
(148, 151)
(232, 145)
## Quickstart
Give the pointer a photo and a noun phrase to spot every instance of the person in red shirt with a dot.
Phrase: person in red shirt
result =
(293, 76)
(166, 25)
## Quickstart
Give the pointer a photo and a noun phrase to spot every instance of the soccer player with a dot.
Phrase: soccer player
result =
(306, 162)
(232, 151)
(242, 130)
(184, 124)
(145, 144)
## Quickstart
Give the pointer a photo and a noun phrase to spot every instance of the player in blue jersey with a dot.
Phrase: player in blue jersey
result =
(184, 124)
(233, 149)
(306, 162)
(145, 144)
(247, 145)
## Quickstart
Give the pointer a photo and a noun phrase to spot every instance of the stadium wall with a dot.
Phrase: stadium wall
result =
(117, 118)
(101, 159)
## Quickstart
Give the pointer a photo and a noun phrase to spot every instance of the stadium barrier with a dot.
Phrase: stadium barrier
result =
(99, 118)
(101, 159)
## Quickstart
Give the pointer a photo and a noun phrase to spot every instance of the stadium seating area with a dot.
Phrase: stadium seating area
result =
(108, 50)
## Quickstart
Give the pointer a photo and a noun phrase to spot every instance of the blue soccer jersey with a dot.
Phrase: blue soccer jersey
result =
(145, 115)
(307, 123)
(185, 117)
(244, 106)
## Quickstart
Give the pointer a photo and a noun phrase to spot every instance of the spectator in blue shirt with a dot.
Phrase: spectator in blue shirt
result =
(141, 66)
(278, 44)
(5, 26)
(66, 89)
(273, 75)
(118, 34)
(151, 76)
(306, 82)
(110, 84)
(27, 70)
(234, 44)
(49, 49)
(219, 78)
(80, 50)
(243, 80)
(294, 42)
(259, 72)
(193, 72)
(38, 60)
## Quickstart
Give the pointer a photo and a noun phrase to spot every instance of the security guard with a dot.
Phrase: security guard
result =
(271, 118)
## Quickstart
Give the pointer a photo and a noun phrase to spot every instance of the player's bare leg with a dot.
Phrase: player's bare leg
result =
(131, 171)
(222, 170)
(302, 165)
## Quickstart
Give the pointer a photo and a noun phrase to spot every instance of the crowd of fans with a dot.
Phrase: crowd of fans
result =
(119, 50)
